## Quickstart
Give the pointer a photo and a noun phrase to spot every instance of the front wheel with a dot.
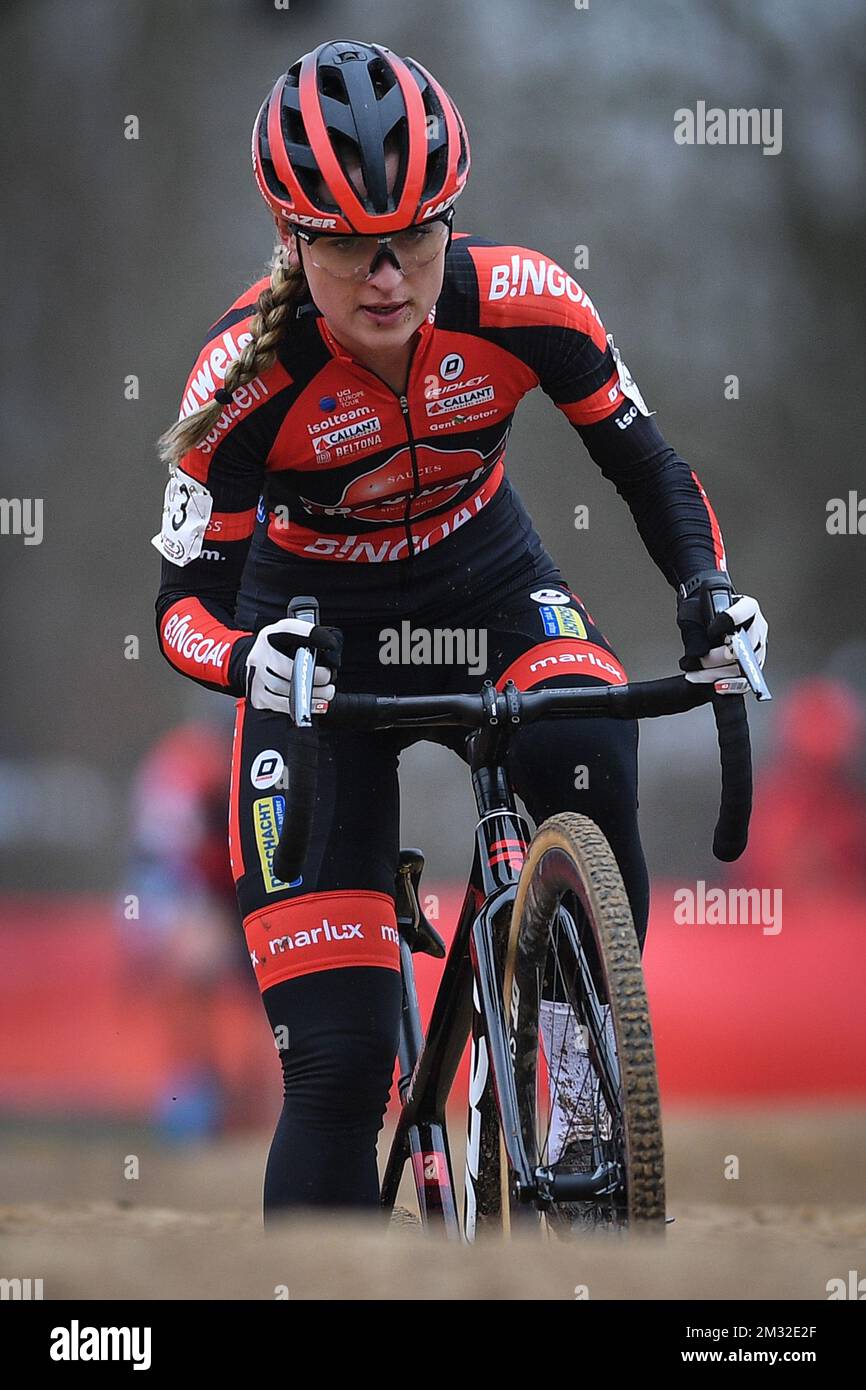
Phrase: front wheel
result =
(580, 1039)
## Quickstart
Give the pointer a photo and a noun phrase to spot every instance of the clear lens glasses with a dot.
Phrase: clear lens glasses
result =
(350, 257)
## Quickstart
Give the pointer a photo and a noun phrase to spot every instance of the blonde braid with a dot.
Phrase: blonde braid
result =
(273, 309)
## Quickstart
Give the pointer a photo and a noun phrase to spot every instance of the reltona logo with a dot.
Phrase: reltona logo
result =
(244, 397)
(321, 442)
(212, 371)
(77, 1343)
(193, 644)
(328, 931)
(464, 401)
(524, 275)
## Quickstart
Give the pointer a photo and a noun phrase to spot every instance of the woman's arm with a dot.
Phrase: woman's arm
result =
(210, 511)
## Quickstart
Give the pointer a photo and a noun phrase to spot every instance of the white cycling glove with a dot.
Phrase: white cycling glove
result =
(719, 663)
(269, 670)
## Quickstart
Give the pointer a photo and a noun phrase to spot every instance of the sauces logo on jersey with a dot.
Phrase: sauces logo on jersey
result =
(382, 493)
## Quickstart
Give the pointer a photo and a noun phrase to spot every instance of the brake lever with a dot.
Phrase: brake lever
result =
(302, 706)
(718, 599)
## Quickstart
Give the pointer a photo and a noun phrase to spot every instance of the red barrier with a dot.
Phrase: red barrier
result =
(739, 1013)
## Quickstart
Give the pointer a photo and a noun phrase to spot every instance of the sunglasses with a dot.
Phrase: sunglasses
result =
(354, 257)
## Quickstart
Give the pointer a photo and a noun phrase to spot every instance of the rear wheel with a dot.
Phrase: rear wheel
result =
(580, 1038)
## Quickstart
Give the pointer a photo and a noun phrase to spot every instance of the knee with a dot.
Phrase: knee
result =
(588, 766)
(337, 1034)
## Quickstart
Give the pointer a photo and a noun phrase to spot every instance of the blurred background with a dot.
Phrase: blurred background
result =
(706, 263)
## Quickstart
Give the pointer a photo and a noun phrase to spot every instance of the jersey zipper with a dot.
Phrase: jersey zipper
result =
(404, 406)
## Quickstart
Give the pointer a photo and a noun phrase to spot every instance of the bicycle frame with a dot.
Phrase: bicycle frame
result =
(467, 1002)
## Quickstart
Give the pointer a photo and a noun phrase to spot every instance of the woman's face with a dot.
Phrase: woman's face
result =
(349, 305)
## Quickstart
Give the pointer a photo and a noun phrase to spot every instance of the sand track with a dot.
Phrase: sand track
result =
(190, 1226)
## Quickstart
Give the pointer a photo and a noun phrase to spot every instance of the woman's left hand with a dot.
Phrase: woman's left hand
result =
(719, 662)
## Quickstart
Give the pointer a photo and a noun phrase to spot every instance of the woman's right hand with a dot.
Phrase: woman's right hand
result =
(269, 664)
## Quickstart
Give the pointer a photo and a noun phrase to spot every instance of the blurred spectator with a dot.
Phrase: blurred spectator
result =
(186, 947)
(808, 829)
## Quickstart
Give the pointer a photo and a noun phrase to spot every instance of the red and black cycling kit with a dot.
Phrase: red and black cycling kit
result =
(320, 479)
(349, 472)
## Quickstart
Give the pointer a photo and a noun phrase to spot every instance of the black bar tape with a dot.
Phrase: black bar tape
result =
(732, 827)
(302, 761)
(650, 699)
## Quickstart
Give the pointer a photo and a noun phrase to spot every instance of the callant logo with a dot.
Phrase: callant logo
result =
(321, 442)
(464, 401)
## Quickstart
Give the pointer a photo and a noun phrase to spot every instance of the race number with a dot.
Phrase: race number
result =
(185, 514)
(627, 383)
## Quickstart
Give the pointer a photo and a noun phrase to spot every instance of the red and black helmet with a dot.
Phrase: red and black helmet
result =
(347, 101)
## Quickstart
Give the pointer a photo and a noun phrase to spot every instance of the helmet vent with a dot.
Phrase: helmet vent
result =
(382, 77)
(333, 84)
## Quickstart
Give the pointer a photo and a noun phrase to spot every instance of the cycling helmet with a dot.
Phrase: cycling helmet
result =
(346, 100)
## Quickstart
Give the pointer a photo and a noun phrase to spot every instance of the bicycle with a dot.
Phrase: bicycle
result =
(545, 933)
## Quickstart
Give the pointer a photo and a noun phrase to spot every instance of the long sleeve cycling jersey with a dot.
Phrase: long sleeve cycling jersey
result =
(321, 459)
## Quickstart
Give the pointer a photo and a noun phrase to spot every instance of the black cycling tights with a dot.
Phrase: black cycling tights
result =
(339, 1030)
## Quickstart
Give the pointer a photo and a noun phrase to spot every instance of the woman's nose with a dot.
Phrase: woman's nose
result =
(385, 273)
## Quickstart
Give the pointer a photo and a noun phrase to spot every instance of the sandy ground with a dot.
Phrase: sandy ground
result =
(189, 1227)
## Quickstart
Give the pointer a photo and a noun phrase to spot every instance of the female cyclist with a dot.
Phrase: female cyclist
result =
(342, 434)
